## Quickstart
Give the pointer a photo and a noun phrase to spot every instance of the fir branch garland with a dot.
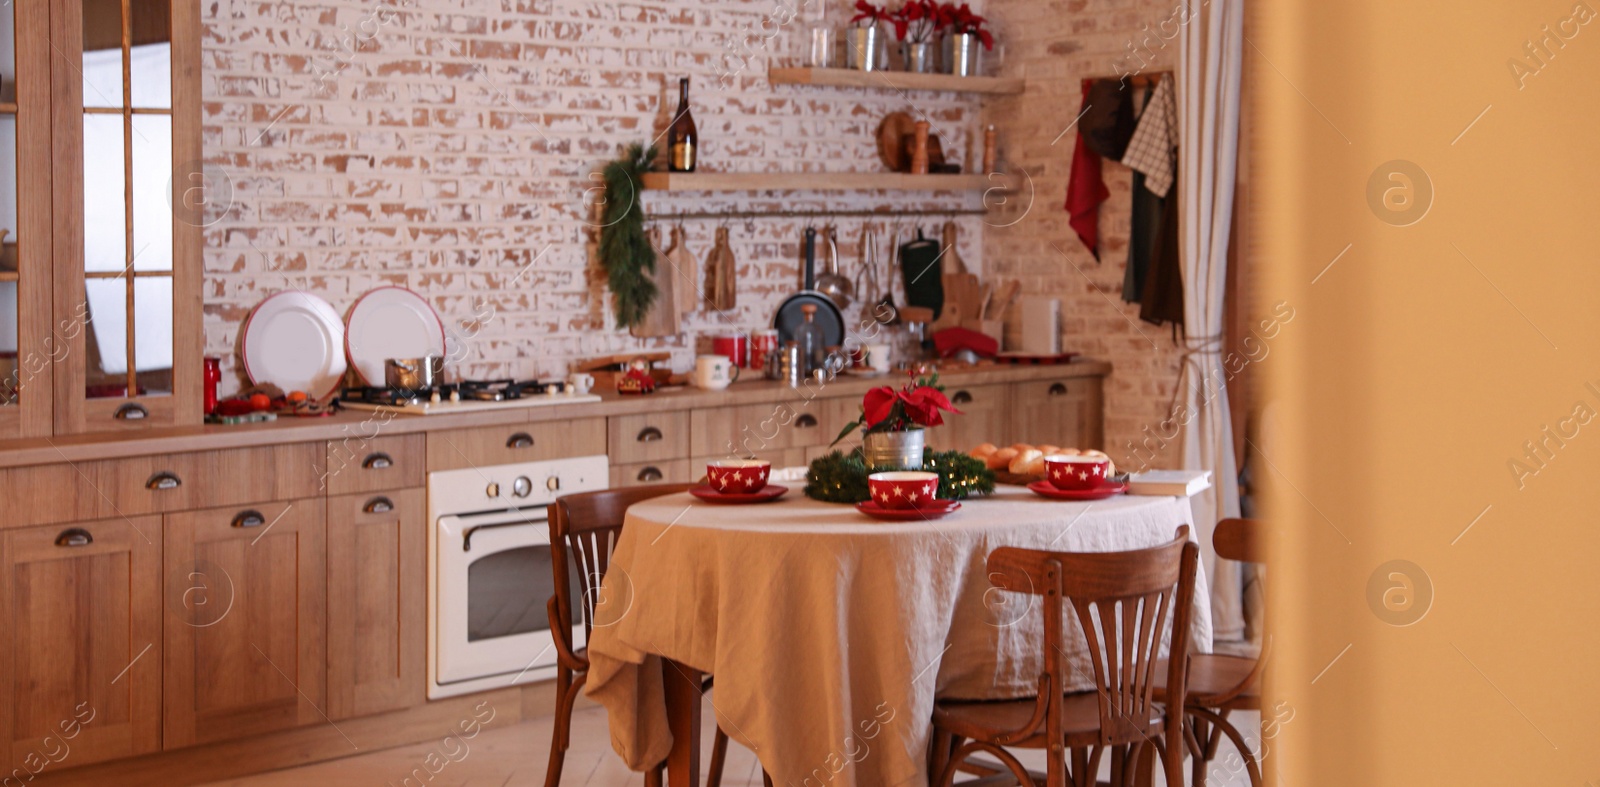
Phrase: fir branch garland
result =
(842, 478)
(625, 250)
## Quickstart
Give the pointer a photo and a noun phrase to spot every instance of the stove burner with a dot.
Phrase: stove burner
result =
(465, 390)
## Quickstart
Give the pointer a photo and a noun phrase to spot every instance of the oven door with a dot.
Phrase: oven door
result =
(494, 582)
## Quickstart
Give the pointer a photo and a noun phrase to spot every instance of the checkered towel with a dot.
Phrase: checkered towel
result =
(1153, 149)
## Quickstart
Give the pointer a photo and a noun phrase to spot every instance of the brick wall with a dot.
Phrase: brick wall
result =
(448, 145)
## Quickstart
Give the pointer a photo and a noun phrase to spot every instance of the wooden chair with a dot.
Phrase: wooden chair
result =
(1219, 684)
(1122, 601)
(589, 524)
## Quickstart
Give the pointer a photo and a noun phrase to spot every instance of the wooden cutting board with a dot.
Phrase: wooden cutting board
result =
(662, 319)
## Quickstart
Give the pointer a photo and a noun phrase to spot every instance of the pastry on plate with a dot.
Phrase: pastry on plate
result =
(1029, 462)
(1001, 459)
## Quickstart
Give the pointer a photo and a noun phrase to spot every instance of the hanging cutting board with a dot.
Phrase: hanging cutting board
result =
(721, 284)
(662, 319)
(685, 273)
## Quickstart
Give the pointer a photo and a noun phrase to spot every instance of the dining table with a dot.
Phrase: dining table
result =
(828, 633)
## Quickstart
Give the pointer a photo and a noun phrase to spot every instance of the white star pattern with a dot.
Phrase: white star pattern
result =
(1083, 476)
(912, 497)
(1056, 473)
(1097, 469)
(883, 496)
(724, 482)
(750, 483)
(737, 476)
(899, 491)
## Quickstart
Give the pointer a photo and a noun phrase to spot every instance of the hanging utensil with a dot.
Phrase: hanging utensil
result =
(685, 272)
(662, 319)
(721, 288)
(919, 267)
(886, 306)
(791, 313)
(952, 258)
(831, 283)
(867, 277)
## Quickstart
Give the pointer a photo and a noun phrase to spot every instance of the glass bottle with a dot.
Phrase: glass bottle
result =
(683, 140)
(809, 337)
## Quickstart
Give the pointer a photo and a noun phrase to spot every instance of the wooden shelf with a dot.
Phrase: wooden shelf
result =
(894, 80)
(811, 181)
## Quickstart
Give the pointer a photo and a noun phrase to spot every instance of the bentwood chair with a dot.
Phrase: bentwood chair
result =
(1123, 602)
(589, 524)
(1218, 684)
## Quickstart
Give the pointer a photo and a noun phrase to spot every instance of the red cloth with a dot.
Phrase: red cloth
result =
(1086, 189)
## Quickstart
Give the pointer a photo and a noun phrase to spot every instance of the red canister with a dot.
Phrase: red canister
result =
(735, 346)
(213, 375)
(763, 344)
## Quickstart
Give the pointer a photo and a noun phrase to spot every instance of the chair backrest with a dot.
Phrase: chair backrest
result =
(588, 524)
(1123, 602)
(1241, 539)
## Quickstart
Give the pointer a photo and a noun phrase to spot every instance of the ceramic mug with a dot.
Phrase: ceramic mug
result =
(580, 382)
(903, 489)
(738, 476)
(878, 357)
(1077, 471)
(714, 372)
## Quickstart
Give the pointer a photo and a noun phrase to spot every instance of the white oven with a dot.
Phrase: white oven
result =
(490, 576)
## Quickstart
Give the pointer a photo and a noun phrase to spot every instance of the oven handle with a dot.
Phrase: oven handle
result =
(466, 535)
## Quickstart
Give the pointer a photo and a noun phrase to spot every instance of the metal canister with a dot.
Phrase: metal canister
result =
(792, 365)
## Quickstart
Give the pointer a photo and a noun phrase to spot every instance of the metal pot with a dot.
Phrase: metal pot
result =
(897, 450)
(412, 374)
(864, 47)
(961, 53)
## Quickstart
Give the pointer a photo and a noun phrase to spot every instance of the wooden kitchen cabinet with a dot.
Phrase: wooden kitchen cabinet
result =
(251, 658)
(648, 437)
(986, 417)
(1064, 412)
(377, 603)
(487, 446)
(760, 430)
(671, 471)
(80, 665)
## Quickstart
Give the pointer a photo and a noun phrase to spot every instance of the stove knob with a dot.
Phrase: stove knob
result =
(553, 483)
(521, 487)
(493, 490)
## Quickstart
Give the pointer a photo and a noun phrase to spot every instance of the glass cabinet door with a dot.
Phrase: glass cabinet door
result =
(28, 348)
(131, 266)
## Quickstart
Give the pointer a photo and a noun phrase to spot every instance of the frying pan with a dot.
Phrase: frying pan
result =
(788, 318)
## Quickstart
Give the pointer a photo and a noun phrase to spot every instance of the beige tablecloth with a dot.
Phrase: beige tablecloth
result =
(830, 633)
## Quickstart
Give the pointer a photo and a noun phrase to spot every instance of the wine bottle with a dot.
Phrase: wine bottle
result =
(683, 141)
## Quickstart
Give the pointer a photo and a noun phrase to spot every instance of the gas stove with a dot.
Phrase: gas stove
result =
(463, 396)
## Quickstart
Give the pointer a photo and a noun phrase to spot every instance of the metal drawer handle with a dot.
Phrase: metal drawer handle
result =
(649, 434)
(961, 397)
(650, 474)
(163, 480)
(378, 505)
(520, 440)
(132, 411)
(378, 461)
(1058, 389)
(805, 421)
(74, 537)
(249, 519)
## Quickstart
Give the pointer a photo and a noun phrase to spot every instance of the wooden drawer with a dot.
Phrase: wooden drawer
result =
(751, 430)
(781, 458)
(367, 464)
(985, 418)
(499, 445)
(111, 488)
(672, 471)
(1065, 412)
(648, 437)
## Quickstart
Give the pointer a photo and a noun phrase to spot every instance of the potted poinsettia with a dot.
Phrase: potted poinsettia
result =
(964, 31)
(892, 422)
(915, 24)
(864, 39)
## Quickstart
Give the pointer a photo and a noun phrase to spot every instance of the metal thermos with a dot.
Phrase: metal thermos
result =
(792, 365)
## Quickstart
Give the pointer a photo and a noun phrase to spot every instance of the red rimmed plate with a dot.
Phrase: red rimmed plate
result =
(872, 509)
(1101, 492)
(709, 494)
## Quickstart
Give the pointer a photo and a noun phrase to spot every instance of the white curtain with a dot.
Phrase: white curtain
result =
(1208, 111)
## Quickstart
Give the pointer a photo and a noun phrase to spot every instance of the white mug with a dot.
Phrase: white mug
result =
(581, 383)
(878, 358)
(714, 372)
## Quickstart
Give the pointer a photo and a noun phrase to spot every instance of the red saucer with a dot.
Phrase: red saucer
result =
(934, 511)
(709, 494)
(1098, 493)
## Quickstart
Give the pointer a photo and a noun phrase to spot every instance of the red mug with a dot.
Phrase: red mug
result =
(1077, 471)
(903, 488)
(733, 346)
(764, 343)
(738, 476)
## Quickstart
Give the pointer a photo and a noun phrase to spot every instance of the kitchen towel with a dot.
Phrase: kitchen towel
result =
(1086, 190)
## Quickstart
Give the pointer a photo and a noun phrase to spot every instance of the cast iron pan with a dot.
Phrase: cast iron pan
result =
(788, 318)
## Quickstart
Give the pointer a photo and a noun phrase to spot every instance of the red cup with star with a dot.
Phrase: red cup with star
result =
(1077, 471)
(903, 489)
(738, 476)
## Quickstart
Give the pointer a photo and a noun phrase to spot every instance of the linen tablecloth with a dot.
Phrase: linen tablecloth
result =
(829, 634)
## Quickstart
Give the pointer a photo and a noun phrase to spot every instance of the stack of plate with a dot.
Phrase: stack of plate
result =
(296, 341)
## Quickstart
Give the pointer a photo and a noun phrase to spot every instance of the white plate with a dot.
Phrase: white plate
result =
(390, 322)
(292, 340)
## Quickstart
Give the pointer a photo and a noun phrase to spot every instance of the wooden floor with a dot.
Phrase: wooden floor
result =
(516, 757)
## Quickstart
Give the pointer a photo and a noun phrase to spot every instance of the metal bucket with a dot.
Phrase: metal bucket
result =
(896, 450)
(961, 54)
(864, 48)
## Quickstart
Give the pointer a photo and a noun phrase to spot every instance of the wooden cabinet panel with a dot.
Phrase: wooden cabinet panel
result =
(671, 471)
(80, 666)
(377, 604)
(43, 494)
(368, 464)
(1064, 412)
(648, 437)
(758, 429)
(986, 417)
(527, 442)
(256, 664)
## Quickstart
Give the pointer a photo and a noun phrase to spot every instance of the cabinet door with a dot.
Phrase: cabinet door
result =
(376, 602)
(671, 471)
(30, 340)
(80, 666)
(125, 134)
(1063, 412)
(251, 659)
(985, 418)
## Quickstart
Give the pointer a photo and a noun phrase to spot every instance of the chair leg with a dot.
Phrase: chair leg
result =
(1245, 753)
(1201, 734)
(766, 779)
(561, 736)
(719, 755)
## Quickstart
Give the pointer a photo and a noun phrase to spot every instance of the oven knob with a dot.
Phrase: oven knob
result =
(521, 487)
(553, 483)
(493, 490)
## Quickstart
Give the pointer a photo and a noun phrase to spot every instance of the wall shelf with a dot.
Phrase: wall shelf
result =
(894, 80)
(812, 181)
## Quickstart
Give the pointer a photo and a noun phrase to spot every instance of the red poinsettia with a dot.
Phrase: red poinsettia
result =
(921, 403)
(869, 12)
(961, 20)
(918, 19)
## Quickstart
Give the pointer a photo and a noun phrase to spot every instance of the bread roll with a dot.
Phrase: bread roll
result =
(1001, 459)
(1029, 462)
(983, 451)
(1049, 449)
(1020, 447)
